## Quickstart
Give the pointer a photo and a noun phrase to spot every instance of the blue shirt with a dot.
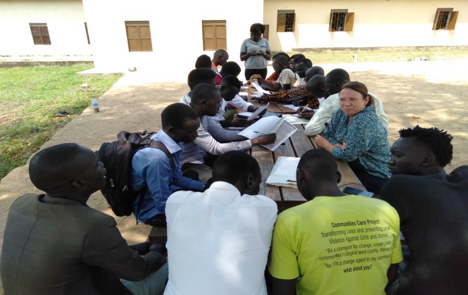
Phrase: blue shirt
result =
(151, 167)
(366, 140)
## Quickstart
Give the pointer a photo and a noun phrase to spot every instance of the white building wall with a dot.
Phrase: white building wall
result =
(65, 22)
(377, 23)
(176, 32)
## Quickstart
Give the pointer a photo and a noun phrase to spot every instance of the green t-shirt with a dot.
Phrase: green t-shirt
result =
(337, 245)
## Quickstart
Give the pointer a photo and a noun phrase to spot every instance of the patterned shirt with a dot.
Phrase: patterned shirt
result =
(366, 140)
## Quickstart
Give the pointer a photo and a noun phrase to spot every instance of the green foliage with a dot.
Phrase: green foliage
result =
(30, 99)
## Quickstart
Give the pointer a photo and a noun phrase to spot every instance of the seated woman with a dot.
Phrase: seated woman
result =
(355, 135)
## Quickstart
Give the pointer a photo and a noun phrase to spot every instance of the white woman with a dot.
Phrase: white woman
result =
(355, 135)
(256, 52)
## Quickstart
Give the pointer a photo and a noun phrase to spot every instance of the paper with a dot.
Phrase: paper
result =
(244, 93)
(259, 88)
(291, 106)
(251, 116)
(294, 119)
(284, 172)
(268, 125)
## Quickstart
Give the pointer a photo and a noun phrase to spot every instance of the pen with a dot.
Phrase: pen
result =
(306, 106)
(289, 180)
(260, 133)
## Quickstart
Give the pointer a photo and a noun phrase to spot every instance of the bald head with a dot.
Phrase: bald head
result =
(315, 70)
(316, 86)
(335, 80)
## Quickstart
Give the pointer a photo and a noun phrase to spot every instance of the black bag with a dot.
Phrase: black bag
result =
(117, 159)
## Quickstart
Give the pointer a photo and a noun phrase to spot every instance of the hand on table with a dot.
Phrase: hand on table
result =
(323, 142)
(305, 113)
(239, 122)
(264, 139)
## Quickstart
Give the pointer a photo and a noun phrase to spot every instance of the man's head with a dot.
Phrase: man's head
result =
(316, 86)
(180, 122)
(239, 169)
(206, 100)
(302, 66)
(317, 170)
(230, 68)
(420, 151)
(229, 87)
(335, 80)
(68, 171)
(203, 62)
(315, 70)
(199, 76)
(294, 59)
(280, 62)
(220, 57)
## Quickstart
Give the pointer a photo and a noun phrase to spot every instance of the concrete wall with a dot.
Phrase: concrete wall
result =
(377, 23)
(65, 22)
(176, 31)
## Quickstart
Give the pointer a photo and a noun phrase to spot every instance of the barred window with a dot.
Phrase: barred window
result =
(286, 21)
(445, 19)
(341, 20)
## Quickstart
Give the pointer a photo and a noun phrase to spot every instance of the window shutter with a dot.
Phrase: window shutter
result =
(330, 23)
(349, 22)
(436, 19)
(266, 35)
(220, 31)
(453, 20)
(281, 26)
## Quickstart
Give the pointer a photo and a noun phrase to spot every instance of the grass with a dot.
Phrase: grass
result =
(347, 56)
(30, 99)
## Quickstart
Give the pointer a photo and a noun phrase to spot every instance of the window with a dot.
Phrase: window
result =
(341, 20)
(286, 20)
(86, 29)
(138, 36)
(214, 35)
(40, 34)
(445, 19)
(266, 34)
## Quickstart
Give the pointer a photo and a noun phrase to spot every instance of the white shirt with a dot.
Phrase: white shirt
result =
(218, 241)
(300, 82)
(287, 76)
(328, 109)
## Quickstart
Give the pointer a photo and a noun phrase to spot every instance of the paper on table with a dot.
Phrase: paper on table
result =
(259, 88)
(283, 130)
(255, 114)
(284, 170)
(243, 93)
(294, 119)
(291, 106)
(262, 126)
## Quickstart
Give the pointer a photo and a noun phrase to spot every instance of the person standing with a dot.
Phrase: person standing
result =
(256, 52)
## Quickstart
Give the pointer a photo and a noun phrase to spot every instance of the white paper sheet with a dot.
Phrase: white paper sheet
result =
(284, 172)
(294, 119)
(259, 88)
(262, 126)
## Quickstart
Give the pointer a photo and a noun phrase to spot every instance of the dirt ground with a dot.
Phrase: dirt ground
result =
(425, 93)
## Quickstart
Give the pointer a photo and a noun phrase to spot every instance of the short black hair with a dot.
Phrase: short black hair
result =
(315, 70)
(176, 114)
(307, 62)
(282, 53)
(234, 166)
(436, 140)
(220, 52)
(282, 59)
(230, 68)
(203, 91)
(320, 164)
(338, 76)
(257, 27)
(231, 81)
(198, 76)
(203, 61)
(48, 168)
(297, 57)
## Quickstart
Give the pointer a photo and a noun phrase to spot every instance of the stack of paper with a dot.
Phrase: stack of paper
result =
(284, 172)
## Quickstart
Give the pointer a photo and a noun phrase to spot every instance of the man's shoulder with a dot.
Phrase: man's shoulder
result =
(180, 196)
(259, 201)
(288, 72)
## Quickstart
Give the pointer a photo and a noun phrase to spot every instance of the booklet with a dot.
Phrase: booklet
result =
(267, 125)
(284, 172)
(251, 116)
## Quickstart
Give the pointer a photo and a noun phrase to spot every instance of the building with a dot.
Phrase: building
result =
(168, 36)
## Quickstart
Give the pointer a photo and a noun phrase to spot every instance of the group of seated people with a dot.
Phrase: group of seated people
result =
(225, 238)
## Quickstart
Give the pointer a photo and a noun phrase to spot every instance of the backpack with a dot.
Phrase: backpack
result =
(117, 159)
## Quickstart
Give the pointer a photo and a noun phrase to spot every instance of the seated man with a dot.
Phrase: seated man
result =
(218, 241)
(196, 77)
(333, 83)
(433, 209)
(286, 78)
(219, 59)
(333, 244)
(229, 88)
(152, 168)
(294, 59)
(273, 77)
(56, 244)
(315, 70)
(206, 100)
(203, 62)
(301, 68)
(230, 68)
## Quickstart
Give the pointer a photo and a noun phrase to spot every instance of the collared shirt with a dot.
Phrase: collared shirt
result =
(218, 241)
(151, 167)
(330, 106)
(365, 138)
(288, 77)
(210, 133)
